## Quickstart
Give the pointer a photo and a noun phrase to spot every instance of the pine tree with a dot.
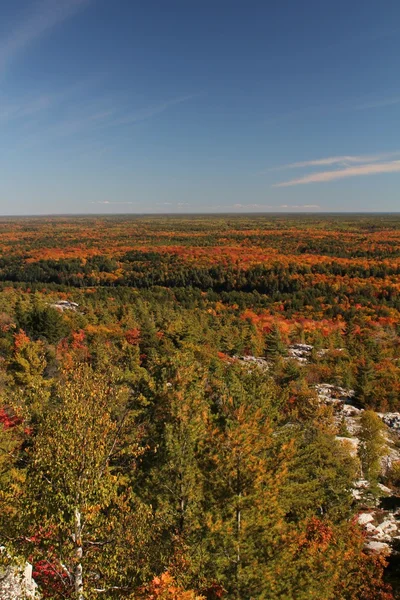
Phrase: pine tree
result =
(31, 390)
(274, 344)
(291, 372)
(365, 382)
(321, 475)
(175, 483)
(44, 322)
(249, 466)
(372, 444)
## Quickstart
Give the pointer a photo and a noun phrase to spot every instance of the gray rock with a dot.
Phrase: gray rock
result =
(17, 583)
(365, 518)
(351, 443)
(378, 547)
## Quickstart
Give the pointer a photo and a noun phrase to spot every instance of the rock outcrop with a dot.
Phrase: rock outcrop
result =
(17, 583)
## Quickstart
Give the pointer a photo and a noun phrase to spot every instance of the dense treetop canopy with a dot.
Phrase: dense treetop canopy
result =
(158, 436)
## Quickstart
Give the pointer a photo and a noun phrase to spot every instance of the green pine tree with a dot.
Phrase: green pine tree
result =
(274, 346)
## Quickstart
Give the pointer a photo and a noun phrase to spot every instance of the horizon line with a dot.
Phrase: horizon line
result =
(200, 213)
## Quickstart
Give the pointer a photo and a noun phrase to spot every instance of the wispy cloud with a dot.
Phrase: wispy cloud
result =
(111, 202)
(339, 161)
(381, 103)
(344, 106)
(263, 207)
(355, 171)
(150, 111)
(45, 15)
(72, 125)
(301, 206)
(10, 111)
(249, 206)
(74, 119)
(27, 108)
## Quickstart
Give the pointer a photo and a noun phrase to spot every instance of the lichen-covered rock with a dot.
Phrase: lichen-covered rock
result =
(17, 583)
(392, 420)
(385, 489)
(329, 393)
(365, 518)
(351, 443)
(300, 352)
(378, 547)
(259, 361)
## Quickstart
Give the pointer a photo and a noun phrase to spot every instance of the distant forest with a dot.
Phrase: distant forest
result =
(201, 407)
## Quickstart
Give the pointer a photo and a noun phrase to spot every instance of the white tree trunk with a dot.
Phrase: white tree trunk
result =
(78, 577)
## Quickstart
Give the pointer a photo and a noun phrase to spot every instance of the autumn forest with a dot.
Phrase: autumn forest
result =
(201, 407)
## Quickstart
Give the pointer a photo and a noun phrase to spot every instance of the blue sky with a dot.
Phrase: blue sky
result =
(113, 106)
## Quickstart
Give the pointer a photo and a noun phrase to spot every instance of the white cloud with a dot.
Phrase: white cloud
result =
(379, 103)
(277, 207)
(355, 104)
(264, 206)
(339, 161)
(44, 17)
(109, 202)
(301, 206)
(355, 171)
(150, 111)
(20, 110)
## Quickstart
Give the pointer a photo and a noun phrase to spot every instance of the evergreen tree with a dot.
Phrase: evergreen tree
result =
(27, 366)
(291, 372)
(45, 322)
(175, 485)
(365, 383)
(321, 476)
(274, 344)
(249, 466)
(372, 444)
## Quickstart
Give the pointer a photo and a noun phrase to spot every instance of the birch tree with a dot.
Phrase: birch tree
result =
(77, 499)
